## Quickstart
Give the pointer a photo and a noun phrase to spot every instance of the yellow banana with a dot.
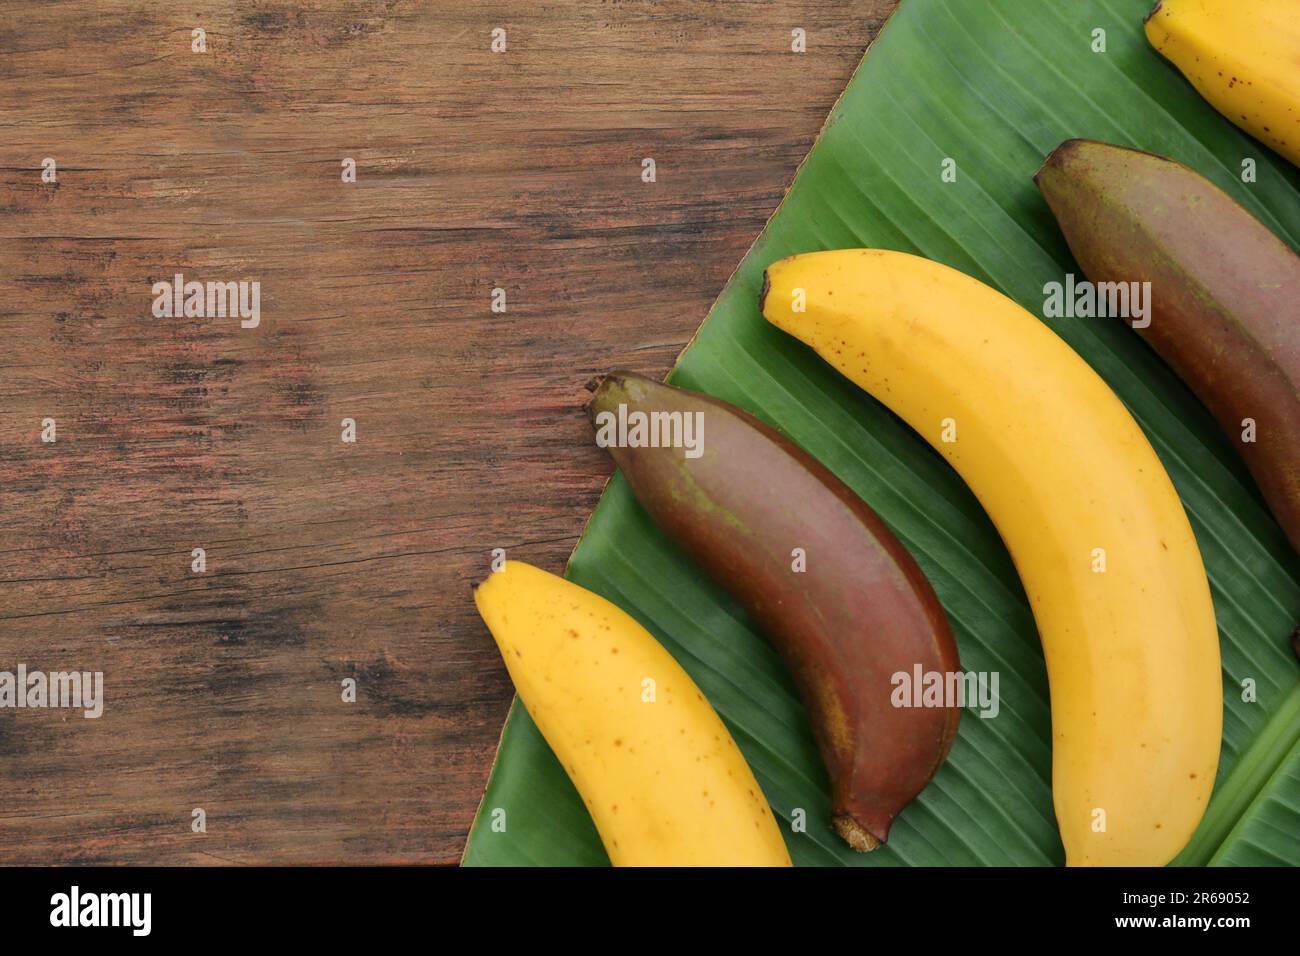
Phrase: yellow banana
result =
(660, 775)
(1091, 519)
(1243, 56)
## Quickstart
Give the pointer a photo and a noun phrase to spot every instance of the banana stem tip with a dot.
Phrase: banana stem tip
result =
(855, 834)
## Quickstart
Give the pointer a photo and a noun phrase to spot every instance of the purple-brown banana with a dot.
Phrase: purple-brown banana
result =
(1225, 294)
(841, 599)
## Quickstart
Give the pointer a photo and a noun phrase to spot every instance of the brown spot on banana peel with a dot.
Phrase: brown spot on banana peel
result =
(1225, 293)
(860, 612)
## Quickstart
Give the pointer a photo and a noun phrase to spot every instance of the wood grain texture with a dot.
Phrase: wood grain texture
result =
(329, 560)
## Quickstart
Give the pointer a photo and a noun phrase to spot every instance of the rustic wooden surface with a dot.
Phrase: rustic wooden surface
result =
(327, 560)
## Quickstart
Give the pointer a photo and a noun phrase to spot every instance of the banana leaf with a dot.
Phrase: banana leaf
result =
(994, 86)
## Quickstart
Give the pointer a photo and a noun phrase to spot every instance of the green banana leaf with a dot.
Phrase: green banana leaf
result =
(994, 86)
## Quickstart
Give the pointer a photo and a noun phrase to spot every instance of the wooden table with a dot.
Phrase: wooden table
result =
(326, 560)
